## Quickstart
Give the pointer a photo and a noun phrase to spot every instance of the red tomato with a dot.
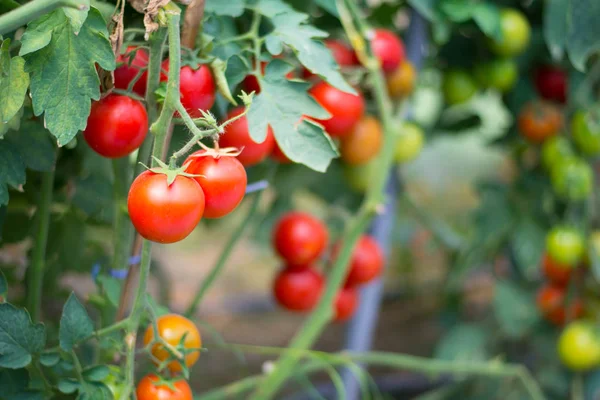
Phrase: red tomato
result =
(551, 301)
(366, 263)
(250, 83)
(149, 389)
(165, 213)
(346, 109)
(116, 126)
(388, 48)
(539, 121)
(551, 83)
(197, 88)
(278, 155)
(299, 238)
(298, 289)
(346, 302)
(223, 181)
(557, 273)
(342, 54)
(237, 135)
(129, 68)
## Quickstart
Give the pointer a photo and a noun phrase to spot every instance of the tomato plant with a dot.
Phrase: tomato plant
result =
(150, 388)
(197, 88)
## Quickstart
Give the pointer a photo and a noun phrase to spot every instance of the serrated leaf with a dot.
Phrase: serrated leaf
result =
(49, 359)
(13, 124)
(75, 324)
(583, 37)
(528, 244)
(515, 309)
(218, 68)
(14, 82)
(97, 373)
(20, 339)
(232, 8)
(464, 342)
(63, 73)
(77, 16)
(487, 18)
(34, 144)
(12, 169)
(555, 26)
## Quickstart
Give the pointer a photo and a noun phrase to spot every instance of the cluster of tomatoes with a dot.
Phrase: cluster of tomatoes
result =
(301, 240)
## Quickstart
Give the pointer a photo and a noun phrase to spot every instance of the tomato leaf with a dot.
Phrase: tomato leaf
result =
(555, 26)
(62, 68)
(218, 66)
(68, 385)
(34, 144)
(14, 82)
(464, 342)
(14, 384)
(487, 18)
(329, 6)
(515, 309)
(583, 37)
(12, 169)
(96, 373)
(50, 359)
(528, 244)
(232, 8)
(75, 324)
(20, 339)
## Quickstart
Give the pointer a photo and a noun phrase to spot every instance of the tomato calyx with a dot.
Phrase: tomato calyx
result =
(216, 152)
(170, 171)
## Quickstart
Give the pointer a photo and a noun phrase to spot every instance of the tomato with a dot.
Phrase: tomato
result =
(165, 213)
(113, 381)
(458, 87)
(363, 142)
(298, 289)
(342, 54)
(401, 82)
(551, 83)
(299, 238)
(572, 179)
(579, 346)
(565, 245)
(388, 48)
(196, 87)
(250, 82)
(129, 68)
(346, 302)
(366, 262)
(557, 273)
(222, 179)
(553, 305)
(515, 33)
(503, 74)
(555, 150)
(539, 120)
(172, 328)
(149, 388)
(585, 128)
(117, 125)
(237, 135)
(409, 142)
(279, 156)
(358, 177)
(346, 109)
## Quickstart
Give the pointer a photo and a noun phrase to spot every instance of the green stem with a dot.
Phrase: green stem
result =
(77, 367)
(28, 12)
(36, 272)
(122, 228)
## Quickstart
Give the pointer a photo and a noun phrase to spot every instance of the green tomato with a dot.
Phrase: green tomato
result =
(360, 176)
(572, 179)
(458, 87)
(113, 381)
(409, 143)
(586, 132)
(515, 33)
(579, 346)
(503, 74)
(481, 72)
(555, 150)
(565, 245)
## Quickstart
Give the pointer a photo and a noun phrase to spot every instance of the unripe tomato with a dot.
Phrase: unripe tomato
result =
(401, 82)
(345, 304)
(149, 388)
(161, 212)
(117, 125)
(503, 74)
(552, 303)
(363, 142)
(298, 289)
(557, 273)
(515, 33)
(366, 262)
(579, 346)
(222, 179)
(572, 179)
(555, 150)
(342, 54)
(358, 177)
(551, 83)
(113, 381)
(409, 143)
(300, 238)
(197, 88)
(129, 68)
(565, 245)
(279, 156)
(458, 87)
(172, 328)
(539, 120)
(388, 48)
(585, 128)
(237, 135)
(346, 109)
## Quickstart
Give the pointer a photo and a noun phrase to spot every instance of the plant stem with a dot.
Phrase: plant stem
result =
(28, 12)
(36, 272)
(122, 228)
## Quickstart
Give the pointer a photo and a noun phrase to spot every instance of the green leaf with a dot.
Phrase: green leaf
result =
(464, 342)
(75, 324)
(50, 359)
(218, 67)
(13, 124)
(20, 339)
(487, 18)
(457, 10)
(515, 309)
(237, 69)
(281, 104)
(13, 382)
(62, 68)
(232, 8)
(271, 8)
(528, 244)
(34, 144)
(94, 391)
(14, 82)
(68, 385)
(111, 287)
(583, 37)
(77, 16)
(329, 6)
(97, 373)
(555, 26)
(93, 195)
(3, 286)
(12, 169)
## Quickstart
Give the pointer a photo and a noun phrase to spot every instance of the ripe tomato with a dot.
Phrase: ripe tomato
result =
(165, 213)
(388, 48)
(515, 33)
(572, 179)
(129, 68)
(557, 273)
(363, 142)
(458, 87)
(585, 128)
(409, 143)
(197, 88)
(552, 303)
(172, 328)
(346, 109)
(358, 177)
(346, 302)
(539, 120)
(237, 135)
(299, 238)
(116, 126)
(222, 179)
(579, 346)
(279, 156)
(555, 150)
(342, 54)
(366, 262)
(298, 289)
(565, 245)
(401, 82)
(551, 83)
(149, 389)
(250, 83)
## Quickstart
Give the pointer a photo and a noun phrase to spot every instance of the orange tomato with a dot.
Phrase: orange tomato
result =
(540, 120)
(401, 82)
(363, 142)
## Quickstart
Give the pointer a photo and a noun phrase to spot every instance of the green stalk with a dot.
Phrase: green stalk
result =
(28, 12)
(122, 228)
